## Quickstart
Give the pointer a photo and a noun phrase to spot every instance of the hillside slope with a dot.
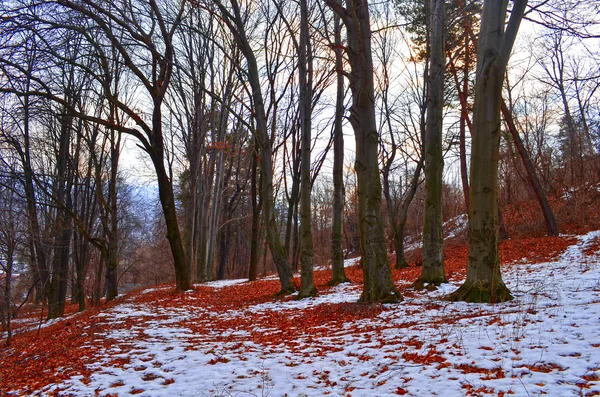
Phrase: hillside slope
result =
(232, 339)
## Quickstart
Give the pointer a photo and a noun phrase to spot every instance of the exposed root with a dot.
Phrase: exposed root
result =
(430, 285)
(309, 293)
(392, 296)
(338, 280)
(481, 293)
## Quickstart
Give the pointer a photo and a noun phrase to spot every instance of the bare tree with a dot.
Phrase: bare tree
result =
(433, 250)
(235, 21)
(378, 283)
(484, 279)
(337, 248)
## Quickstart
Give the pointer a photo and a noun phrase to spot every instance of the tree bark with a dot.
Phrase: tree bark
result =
(549, 219)
(484, 279)
(235, 23)
(307, 286)
(167, 200)
(255, 231)
(378, 283)
(112, 286)
(62, 232)
(338, 273)
(432, 272)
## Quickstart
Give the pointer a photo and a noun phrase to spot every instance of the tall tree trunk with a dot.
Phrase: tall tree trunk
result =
(112, 287)
(408, 198)
(293, 199)
(255, 231)
(464, 109)
(167, 201)
(205, 189)
(378, 283)
(191, 213)
(28, 176)
(236, 24)
(484, 279)
(10, 251)
(307, 287)
(215, 210)
(98, 286)
(338, 273)
(62, 232)
(432, 272)
(549, 219)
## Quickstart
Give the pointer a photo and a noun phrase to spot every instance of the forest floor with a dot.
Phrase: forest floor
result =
(233, 338)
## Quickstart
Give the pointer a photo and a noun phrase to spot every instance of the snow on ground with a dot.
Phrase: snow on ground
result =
(546, 341)
(222, 283)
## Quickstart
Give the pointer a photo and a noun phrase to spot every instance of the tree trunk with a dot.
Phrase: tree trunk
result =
(191, 210)
(62, 232)
(10, 249)
(28, 175)
(432, 272)
(280, 258)
(167, 201)
(255, 231)
(410, 194)
(338, 273)
(204, 188)
(293, 199)
(549, 219)
(484, 279)
(215, 210)
(378, 283)
(112, 287)
(98, 287)
(307, 286)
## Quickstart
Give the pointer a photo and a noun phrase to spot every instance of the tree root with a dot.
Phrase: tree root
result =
(474, 292)
(338, 280)
(312, 292)
(432, 285)
(392, 296)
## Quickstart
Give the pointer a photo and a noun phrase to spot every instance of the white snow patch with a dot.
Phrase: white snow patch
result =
(545, 341)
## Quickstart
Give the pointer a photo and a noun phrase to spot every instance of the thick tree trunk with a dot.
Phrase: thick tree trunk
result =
(549, 219)
(432, 272)
(307, 286)
(378, 283)
(484, 279)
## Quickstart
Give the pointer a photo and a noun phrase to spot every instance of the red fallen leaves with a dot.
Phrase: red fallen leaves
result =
(218, 360)
(431, 357)
(545, 367)
(593, 247)
(401, 391)
(63, 349)
(470, 390)
(494, 373)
